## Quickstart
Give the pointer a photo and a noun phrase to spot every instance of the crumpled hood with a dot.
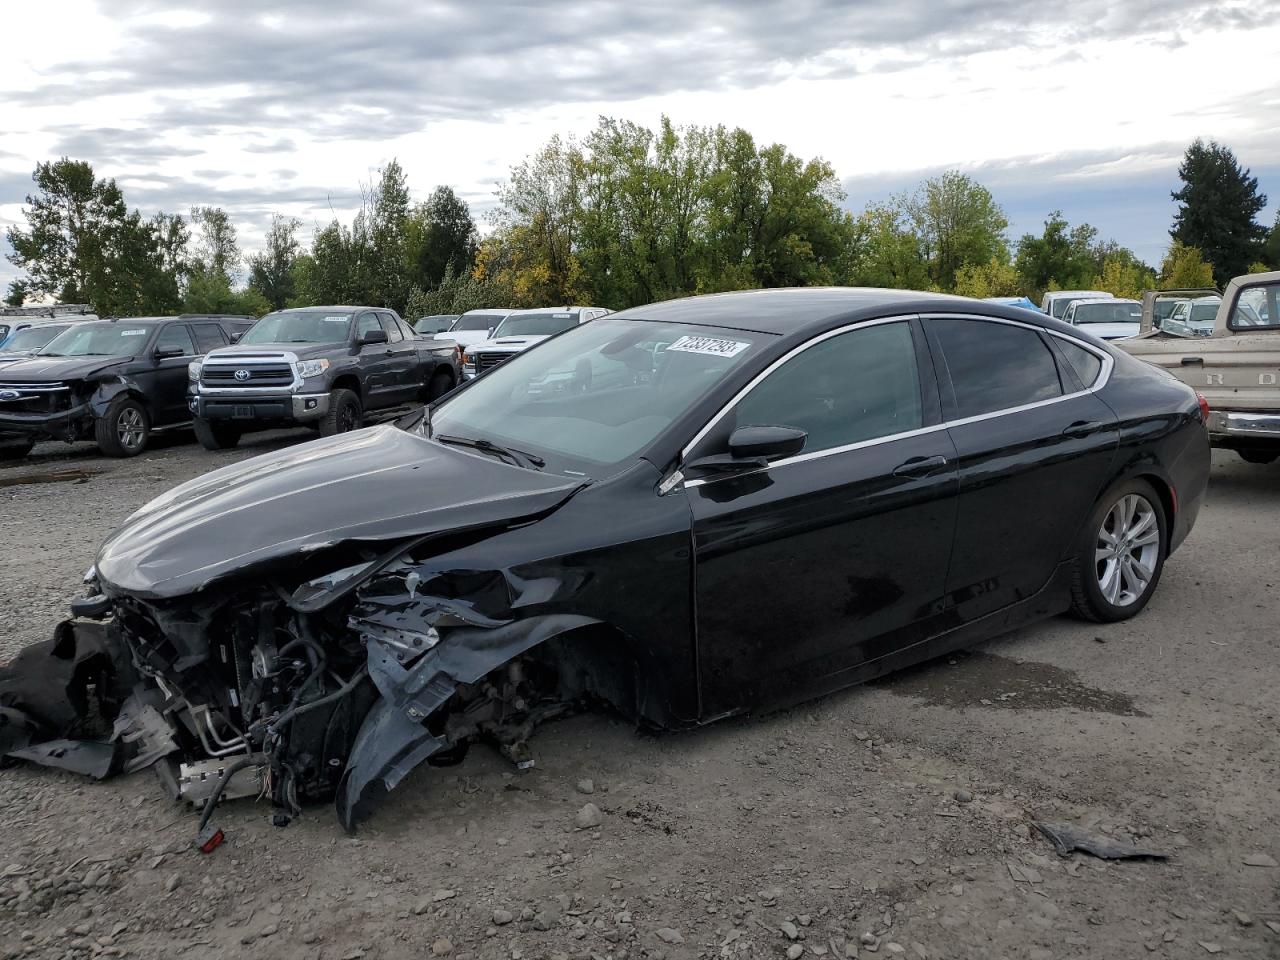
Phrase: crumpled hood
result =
(45, 369)
(376, 484)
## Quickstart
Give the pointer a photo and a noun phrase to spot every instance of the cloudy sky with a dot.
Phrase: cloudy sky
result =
(263, 106)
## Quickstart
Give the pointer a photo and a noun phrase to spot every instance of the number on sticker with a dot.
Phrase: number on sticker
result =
(133, 333)
(709, 345)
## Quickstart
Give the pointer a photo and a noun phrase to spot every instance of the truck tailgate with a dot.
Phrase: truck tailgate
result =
(1234, 373)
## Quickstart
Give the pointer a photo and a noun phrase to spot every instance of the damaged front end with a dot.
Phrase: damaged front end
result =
(267, 631)
(333, 688)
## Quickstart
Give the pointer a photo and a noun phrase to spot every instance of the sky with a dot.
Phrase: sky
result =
(263, 107)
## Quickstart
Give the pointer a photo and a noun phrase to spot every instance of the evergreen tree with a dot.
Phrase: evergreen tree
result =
(1219, 202)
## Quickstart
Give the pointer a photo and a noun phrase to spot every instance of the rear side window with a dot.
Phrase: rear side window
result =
(857, 386)
(995, 366)
(1085, 362)
(389, 324)
(1257, 307)
(209, 336)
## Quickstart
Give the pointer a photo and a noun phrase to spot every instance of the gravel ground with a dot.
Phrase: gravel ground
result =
(889, 820)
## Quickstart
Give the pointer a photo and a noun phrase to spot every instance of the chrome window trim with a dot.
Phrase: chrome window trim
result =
(1104, 375)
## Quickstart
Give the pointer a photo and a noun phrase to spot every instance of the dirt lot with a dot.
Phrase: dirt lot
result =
(890, 820)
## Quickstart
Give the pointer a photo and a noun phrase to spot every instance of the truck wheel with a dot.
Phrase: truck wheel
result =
(16, 451)
(1258, 456)
(123, 430)
(216, 436)
(440, 384)
(344, 413)
(1121, 554)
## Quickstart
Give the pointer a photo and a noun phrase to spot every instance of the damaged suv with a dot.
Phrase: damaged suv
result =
(748, 500)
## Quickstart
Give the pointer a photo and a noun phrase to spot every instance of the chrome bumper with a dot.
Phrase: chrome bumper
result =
(1227, 424)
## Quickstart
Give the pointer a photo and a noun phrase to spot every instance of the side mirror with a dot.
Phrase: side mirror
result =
(489, 333)
(235, 337)
(373, 336)
(751, 448)
(166, 353)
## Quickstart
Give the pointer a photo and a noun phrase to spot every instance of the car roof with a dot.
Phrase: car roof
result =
(487, 310)
(1091, 294)
(332, 308)
(1211, 299)
(528, 310)
(796, 309)
(1107, 300)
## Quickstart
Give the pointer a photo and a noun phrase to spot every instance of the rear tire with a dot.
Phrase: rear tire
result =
(344, 413)
(1259, 456)
(441, 383)
(124, 429)
(216, 436)
(17, 450)
(1121, 554)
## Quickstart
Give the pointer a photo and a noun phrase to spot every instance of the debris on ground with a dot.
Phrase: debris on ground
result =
(1066, 838)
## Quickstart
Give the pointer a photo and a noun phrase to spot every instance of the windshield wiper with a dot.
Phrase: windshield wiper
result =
(518, 457)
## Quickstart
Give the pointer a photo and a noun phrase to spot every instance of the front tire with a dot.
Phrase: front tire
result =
(124, 429)
(1121, 555)
(344, 413)
(216, 436)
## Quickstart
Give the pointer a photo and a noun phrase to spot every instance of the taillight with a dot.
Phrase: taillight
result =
(1204, 407)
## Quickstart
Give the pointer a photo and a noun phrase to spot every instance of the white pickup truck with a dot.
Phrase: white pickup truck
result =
(1236, 367)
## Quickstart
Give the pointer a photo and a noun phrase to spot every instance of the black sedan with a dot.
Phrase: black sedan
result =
(686, 510)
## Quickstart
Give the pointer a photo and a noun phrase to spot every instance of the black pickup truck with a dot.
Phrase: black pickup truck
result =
(113, 381)
(323, 367)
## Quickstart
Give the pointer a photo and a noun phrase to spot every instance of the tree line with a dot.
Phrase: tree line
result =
(626, 216)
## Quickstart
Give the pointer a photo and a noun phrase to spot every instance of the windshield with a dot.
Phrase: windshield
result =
(477, 321)
(596, 396)
(122, 338)
(1164, 309)
(304, 326)
(32, 338)
(535, 324)
(1108, 313)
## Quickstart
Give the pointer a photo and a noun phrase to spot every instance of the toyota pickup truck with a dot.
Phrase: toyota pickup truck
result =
(323, 367)
(1236, 366)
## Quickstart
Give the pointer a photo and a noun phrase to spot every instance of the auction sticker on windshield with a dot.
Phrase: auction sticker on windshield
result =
(133, 333)
(336, 319)
(709, 345)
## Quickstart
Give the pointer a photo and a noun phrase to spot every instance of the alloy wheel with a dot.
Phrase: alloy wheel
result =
(1127, 550)
(130, 428)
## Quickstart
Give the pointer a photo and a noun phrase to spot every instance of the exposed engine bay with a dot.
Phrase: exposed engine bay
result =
(295, 696)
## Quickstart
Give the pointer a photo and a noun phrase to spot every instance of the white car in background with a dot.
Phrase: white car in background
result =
(520, 330)
(1055, 302)
(1111, 319)
(1192, 317)
(474, 326)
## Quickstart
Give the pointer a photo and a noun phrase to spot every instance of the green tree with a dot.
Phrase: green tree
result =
(1062, 257)
(271, 271)
(73, 222)
(1271, 249)
(885, 251)
(958, 223)
(456, 293)
(1125, 276)
(995, 278)
(381, 229)
(217, 251)
(441, 236)
(16, 295)
(1184, 268)
(1218, 204)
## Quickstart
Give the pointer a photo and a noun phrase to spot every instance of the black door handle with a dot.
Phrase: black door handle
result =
(1082, 428)
(920, 466)
(1193, 361)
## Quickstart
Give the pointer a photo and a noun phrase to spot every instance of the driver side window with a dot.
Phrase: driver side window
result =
(176, 335)
(853, 387)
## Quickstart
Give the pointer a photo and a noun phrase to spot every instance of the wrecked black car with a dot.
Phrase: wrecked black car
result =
(683, 511)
